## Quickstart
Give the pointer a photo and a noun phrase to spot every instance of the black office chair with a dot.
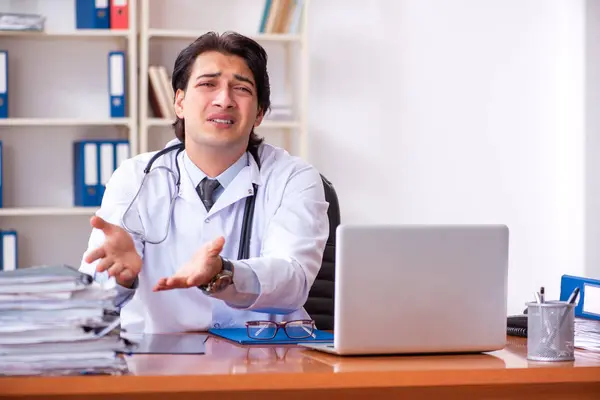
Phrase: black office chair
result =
(320, 302)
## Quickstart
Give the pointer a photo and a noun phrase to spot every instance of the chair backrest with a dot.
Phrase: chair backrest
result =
(320, 302)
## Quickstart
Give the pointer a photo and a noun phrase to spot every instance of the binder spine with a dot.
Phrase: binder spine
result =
(86, 174)
(92, 14)
(3, 84)
(8, 251)
(122, 152)
(588, 303)
(116, 78)
(119, 14)
(1, 172)
(107, 166)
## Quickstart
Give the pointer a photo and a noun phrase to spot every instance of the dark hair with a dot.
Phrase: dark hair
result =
(229, 43)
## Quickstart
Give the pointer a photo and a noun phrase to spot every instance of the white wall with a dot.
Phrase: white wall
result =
(462, 111)
(592, 144)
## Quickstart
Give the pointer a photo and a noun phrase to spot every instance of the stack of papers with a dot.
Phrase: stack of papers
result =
(587, 334)
(21, 22)
(54, 320)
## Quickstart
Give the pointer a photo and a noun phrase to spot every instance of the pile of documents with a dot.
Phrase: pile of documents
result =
(21, 22)
(587, 334)
(55, 320)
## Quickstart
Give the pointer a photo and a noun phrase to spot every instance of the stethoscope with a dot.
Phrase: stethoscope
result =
(244, 250)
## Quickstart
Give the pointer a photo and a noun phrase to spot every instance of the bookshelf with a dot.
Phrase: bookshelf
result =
(8, 122)
(80, 33)
(58, 94)
(46, 211)
(189, 34)
(166, 30)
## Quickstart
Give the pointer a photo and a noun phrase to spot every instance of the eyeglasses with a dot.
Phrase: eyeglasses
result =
(265, 330)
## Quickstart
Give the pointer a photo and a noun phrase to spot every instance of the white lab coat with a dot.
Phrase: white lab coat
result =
(290, 229)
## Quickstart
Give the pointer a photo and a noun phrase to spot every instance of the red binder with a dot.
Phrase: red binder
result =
(119, 14)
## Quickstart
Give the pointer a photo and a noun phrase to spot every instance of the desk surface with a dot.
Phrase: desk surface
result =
(233, 371)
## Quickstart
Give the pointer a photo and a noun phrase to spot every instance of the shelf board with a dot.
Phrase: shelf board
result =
(189, 34)
(266, 124)
(46, 211)
(63, 122)
(81, 33)
(269, 124)
(158, 122)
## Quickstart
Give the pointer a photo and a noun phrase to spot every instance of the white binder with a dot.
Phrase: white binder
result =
(8, 250)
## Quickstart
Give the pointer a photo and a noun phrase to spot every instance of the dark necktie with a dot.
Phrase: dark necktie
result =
(205, 190)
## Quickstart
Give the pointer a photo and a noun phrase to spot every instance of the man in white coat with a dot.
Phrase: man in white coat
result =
(178, 269)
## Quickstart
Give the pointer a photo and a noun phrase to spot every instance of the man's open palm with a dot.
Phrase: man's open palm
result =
(117, 254)
(199, 270)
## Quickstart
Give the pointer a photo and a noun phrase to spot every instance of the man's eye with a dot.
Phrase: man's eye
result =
(205, 84)
(244, 89)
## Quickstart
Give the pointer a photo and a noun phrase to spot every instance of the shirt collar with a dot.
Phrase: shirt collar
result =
(225, 178)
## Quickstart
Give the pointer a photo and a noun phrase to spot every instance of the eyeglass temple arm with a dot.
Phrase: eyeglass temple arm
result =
(312, 334)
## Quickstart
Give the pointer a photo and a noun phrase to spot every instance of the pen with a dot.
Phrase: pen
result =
(571, 300)
(573, 296)
(538, 299)
(542, 290)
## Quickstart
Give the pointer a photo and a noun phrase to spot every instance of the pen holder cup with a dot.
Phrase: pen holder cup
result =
(551, 331)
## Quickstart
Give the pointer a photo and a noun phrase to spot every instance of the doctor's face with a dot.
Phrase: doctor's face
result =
(220, 103)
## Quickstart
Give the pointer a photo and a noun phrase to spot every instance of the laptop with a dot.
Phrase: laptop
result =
(417, 289)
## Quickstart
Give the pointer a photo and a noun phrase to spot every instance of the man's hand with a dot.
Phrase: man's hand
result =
(117, 253)
(202, 267)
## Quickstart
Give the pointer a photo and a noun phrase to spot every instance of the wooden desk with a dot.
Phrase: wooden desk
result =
(228, 371)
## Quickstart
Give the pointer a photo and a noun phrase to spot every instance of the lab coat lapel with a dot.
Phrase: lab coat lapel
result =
(241, 187)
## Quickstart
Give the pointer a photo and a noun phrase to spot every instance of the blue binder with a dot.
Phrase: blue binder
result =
(8, 251)
(1, 173)
(92, 14)
(116, 83)
(86, 175)
(94, 163)
(589, 289)
(240, 336)
(3, 84)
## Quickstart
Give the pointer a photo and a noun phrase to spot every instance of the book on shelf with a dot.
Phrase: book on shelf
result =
(160, 92)
(282, 16)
